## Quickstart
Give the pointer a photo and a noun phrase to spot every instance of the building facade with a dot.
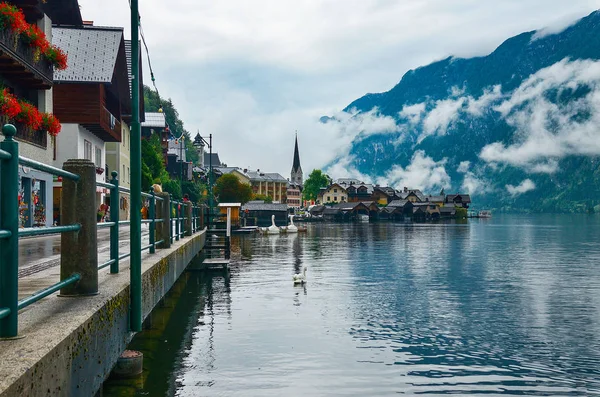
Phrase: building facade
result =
(269, 184)
(27, 75)
(335, 193)
(91, 100)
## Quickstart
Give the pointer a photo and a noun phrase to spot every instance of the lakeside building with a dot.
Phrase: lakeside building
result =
(28, 77)
(258, 213)
(118, 153)
(90, 99)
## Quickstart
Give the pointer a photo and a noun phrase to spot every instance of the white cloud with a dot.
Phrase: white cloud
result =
(463, 167)
(444, 113)
(343, 168)
(413, 113)
(477, 106)
(557, 26)
(548, 131)
(251, 73)
(422, 173)
(524, 187)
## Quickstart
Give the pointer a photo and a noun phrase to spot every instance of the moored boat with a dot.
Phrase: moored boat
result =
(484, 214)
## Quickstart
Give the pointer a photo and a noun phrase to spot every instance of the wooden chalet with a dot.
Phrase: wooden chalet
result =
(92, 96)
(258, 213)
(459, 200)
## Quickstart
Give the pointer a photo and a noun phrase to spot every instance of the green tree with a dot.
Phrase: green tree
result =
(316, 180)
(461, 213)
(153, 102)
(229, 189)
(194, 190)
(173, 188)
(262, 197)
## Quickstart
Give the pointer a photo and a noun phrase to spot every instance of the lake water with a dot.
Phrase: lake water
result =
(509, 305)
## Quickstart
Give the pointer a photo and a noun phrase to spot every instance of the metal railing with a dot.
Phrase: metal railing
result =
(81, 187)
(10, 233)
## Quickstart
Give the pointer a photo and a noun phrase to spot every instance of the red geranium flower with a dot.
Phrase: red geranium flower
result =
(51, 124)
(30, 116)
(56, 56)
(36, 38)
(9, 105)
(12, 18)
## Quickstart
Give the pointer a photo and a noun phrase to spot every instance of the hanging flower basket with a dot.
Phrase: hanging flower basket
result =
(99, 170)
(12, 19)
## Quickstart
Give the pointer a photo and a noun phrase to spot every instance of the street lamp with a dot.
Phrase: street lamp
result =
(200, 142)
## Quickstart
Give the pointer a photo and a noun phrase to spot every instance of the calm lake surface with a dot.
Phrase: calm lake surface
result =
(509, 305)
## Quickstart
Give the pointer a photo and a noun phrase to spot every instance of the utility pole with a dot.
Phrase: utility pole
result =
(135, 269)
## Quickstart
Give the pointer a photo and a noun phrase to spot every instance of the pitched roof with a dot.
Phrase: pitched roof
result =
(63, 12)
(398, 203)
(348, 181)
(262, 206)
(256, 176)
(216, 162)
(331, 211)
(436, 199)
(92, 53)
(154, 120)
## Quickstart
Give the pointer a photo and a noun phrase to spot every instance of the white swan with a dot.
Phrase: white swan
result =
(292, 228)
(300, 278)
(273, 229)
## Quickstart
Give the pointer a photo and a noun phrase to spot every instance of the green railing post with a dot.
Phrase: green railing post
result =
(177, 221)
(9, 221)
(152, 216)
(135, 268)
(114, 217)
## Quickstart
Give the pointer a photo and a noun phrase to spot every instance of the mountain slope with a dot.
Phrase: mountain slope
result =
(519, 129)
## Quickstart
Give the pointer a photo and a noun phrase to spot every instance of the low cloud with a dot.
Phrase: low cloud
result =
(524, 187)
(422, 173)
(343, 168)
(549, 130)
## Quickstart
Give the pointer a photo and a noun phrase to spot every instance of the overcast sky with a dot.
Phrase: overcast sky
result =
(253, 72)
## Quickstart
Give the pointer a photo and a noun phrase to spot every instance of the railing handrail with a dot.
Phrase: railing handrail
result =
(10, 233)
(36, 165)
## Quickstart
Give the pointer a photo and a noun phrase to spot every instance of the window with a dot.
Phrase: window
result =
(335, 190)
(87, 150)
(328, 198)
(98, 157)
(335, 198)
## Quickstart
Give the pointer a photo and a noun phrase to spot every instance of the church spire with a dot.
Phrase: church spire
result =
(296, 176)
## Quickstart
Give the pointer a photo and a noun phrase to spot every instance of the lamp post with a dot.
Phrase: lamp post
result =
(135, 225)
(181, 141)
(199, 141)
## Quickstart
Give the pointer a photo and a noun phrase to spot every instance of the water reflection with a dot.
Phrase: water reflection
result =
(503, 306)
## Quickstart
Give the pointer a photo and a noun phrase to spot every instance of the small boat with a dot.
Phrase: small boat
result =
(363, 218)
(484, 214)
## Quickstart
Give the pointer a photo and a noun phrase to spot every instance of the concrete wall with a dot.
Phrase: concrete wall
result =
(70, 345)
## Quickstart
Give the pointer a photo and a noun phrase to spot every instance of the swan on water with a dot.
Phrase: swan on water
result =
(273, 229)
(300, 278)
(292, 228)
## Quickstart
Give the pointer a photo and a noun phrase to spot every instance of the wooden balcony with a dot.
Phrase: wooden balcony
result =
(34, 137)
(107, 128)
(18, 63)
